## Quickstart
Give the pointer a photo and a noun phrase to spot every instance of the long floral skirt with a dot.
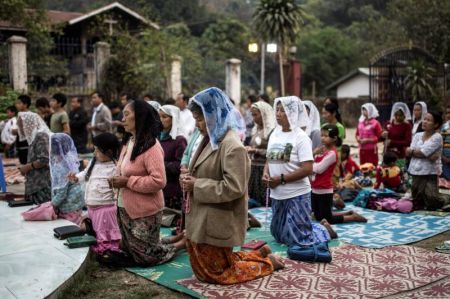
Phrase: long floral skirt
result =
(220, 265)
(140, 238)
(292, 225)
(40, 196)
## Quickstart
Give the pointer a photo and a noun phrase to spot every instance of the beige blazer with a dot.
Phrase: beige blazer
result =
(218, 213)
(103, 121)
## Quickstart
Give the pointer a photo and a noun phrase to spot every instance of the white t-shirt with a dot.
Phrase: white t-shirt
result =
(419, 166)
(7, 136)
(285, 151)
(187, 123)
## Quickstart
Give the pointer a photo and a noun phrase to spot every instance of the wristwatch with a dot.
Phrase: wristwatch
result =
(283, 182)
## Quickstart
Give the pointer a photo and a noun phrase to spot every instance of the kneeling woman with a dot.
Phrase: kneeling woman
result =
(425, 166)
(216, 211)
(289, 163)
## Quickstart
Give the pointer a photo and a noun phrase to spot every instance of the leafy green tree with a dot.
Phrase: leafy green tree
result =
(279, 21)
(418, 80)
(326, 54)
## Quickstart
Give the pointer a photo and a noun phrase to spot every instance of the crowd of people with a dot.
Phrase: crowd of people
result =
(203, 157)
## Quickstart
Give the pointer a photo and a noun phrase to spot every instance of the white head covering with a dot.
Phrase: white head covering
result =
(372, 111)
(314, 118)
(154, 104)
(267, 116)
(403, 107)
(295, 111)
(31, 125)
(63, 159)
(424, 111)
(174, 112)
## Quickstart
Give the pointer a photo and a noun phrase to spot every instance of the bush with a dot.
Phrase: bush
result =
(7, 98)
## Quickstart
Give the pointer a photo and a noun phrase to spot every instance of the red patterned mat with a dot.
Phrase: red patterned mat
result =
(11, 171)
(355, 272)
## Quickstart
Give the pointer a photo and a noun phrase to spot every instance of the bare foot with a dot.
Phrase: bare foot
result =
(338, 202)
(181, 244)
(355, 217)
(265, 250)
(252, 221)
(172, 239)
(330, 230)
(277, 261)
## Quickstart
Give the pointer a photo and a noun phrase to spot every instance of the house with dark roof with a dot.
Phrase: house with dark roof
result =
(353, 85)
(76, 33)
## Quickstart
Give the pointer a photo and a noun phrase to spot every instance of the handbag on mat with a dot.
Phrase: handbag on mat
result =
(19, 203)
(63, 232)
(314, 253)
(80, 241)
(42, 212)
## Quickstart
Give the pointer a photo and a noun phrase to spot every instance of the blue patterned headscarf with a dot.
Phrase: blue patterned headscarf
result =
(218, 112)
(63, 159)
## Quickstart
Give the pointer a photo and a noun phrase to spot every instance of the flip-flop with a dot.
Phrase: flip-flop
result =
(443, 249)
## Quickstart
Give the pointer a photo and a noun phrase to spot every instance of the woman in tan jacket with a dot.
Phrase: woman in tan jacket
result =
(216, 204)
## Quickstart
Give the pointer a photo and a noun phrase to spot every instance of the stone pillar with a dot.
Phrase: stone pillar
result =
(102, 51)
(17, 48)
(175, 76)
(233, 80)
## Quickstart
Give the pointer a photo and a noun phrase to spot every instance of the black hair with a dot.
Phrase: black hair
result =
(12, 109)
(114, 105)
(107, 144)
(345, 149)
(389, 158)
(333, 100)
(437, 118)
(170, 101)
(79, 100)
(148, 96)
(186, 98)
(265, 98)
(195, 108)
(42, 102)
(25, 99)
(100, 95)
(60, 98)
(124, 94)
(333, 132)
(252, 98)
(333, 108)
(148, 127)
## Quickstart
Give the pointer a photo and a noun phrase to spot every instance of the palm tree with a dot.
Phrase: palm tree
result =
(278, 21)
(418, 80)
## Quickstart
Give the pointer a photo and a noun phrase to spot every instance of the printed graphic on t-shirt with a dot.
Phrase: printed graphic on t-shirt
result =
(280, 152)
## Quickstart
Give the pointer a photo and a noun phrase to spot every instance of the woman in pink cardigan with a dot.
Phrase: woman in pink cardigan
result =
(141, 178)
(367, 134)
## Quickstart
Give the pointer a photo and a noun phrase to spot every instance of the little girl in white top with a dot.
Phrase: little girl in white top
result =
(99, 195)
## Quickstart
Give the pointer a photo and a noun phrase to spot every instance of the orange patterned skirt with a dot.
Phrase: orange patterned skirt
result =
(220, 265)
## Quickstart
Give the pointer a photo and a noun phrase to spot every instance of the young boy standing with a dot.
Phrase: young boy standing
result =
(59, 123)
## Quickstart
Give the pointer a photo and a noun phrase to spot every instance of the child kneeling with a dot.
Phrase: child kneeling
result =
(99, 195)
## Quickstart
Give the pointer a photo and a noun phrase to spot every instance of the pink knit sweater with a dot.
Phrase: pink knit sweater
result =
(143, 195)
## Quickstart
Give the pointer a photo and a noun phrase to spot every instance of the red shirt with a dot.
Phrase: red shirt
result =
(324, 180)
(389, 176)
(349, 166)
(399, 136)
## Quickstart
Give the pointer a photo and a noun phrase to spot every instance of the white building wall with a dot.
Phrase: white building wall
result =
(355, 87)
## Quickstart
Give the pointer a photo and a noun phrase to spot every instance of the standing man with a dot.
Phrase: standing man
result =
(59, 123)
(23, 104)
(7, 136)
(251, 99)
(43, 106)
(186, 118)
(101, 117)
(78, 121)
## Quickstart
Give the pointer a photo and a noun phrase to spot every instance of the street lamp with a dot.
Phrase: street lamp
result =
(253, 48)
(271, 48)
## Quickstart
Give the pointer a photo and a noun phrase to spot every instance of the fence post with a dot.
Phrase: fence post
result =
(175, 76)
(233, 80)
(102, 51)
(17, 51)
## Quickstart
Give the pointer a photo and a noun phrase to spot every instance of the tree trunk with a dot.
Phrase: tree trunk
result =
(280, 56)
